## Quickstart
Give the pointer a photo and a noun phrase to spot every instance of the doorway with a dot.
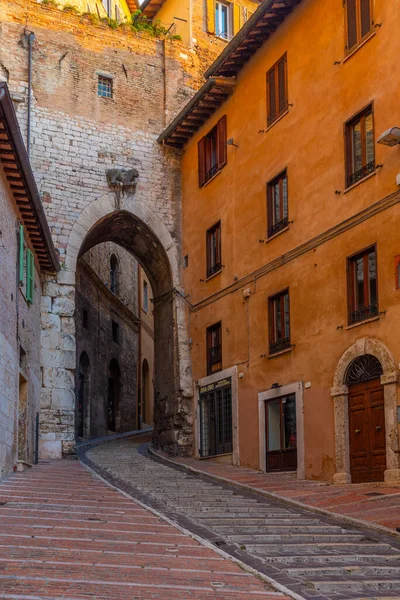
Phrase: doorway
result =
(281, 434)
(113, 395)
(82, 418)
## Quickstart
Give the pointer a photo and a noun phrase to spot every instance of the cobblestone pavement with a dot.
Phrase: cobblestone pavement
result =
(369, 502)
(316, 556)
(64, 534)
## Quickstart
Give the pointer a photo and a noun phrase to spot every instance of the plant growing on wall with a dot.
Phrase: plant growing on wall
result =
(50, 3)
(72, 9)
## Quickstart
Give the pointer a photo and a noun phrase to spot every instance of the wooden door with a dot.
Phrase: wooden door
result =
(367, 432)
(281, 434)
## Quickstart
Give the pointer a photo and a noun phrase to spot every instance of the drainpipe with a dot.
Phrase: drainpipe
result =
(31, 37)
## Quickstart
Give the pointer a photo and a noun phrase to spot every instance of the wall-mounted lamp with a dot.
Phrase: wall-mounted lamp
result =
(231, 142)
(275, 386)
(391, 137)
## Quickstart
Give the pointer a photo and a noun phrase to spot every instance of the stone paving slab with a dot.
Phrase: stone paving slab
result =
(372, 503)
(66, 535)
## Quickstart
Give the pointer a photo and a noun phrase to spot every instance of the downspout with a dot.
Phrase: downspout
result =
(165, 80)
(31, 37)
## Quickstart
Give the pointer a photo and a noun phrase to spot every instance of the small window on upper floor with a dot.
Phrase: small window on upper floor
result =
(360, 146)
(105, 86)
(85, 319)
(362, 286)
(114, 275)
(224, 20)
(107, 6)
(277, 200)
(279, 322)
(214, 348)
(214, 249)
(145, 296)
(115, 332)
(277, 91)
(359, 22)
(212, 152)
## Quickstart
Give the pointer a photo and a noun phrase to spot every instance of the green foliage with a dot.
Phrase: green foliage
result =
(140, 23)
(91, 16)
(71, 9)
(50, 3)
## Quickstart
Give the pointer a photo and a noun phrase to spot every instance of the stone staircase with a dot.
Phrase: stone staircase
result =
(315, 556)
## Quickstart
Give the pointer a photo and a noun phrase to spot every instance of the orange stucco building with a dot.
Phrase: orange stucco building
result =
(290, 239)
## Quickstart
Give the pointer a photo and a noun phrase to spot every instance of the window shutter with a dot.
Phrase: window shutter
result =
(30, 274)
(21, 253)
(271, 96)
(282, 85)
(211, 16)
(221, 140)
(366, 17)
(202, 162)
(351, 19)
(236, 18)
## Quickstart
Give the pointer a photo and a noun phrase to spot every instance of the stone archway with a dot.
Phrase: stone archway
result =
(141, 231)
(340, 392)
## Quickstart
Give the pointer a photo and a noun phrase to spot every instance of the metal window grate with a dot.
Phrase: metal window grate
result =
(279, 346)
(278, 227)
(361, 173)
(216, 420)
(105, 87)
(365, 312)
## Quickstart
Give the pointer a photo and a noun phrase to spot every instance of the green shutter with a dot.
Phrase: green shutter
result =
(30, 274)
(21, 253)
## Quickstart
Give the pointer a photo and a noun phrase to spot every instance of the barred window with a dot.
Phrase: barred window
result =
(105, 86)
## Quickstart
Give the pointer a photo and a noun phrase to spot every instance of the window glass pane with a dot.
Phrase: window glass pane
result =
(278, 319)
(285, 197)
(357, 147)
(369, 139)
(359, 283)
(289, 421)
(277, 203)
(221, 19)
(214, 157)
(286, 308)
(274, 425)
(372, 278)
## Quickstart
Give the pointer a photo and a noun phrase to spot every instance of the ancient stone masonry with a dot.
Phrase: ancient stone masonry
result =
(77, 136)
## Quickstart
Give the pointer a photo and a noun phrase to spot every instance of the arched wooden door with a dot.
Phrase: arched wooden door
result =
(366, 420)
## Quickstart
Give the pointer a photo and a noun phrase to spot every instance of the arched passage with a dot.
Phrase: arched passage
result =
(366, 360)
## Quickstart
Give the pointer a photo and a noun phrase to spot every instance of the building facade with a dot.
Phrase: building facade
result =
(26, 253)
(290, 242)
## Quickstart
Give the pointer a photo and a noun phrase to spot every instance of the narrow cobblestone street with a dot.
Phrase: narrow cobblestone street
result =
(65, 534)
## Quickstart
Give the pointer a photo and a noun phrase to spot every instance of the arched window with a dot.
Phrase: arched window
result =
(114, 388)
(83, 398)
(114, 274)
(363, 368)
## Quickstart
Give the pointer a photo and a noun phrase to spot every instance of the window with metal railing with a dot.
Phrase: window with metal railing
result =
(279, 322)
(360, 146)
(212, 152)
(362, 286)
(214, 249)
(214, 348)
(277, 204)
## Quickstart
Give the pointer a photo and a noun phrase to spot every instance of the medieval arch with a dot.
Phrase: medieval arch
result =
(340, 394)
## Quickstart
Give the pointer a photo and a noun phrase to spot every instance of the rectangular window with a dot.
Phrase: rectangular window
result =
(362, 286)
(360, 146)
(107, 7)
(216, 419)
(277, 94)
(223, 20)
(105, 86)
(115, 332)
(145, 296)
(279, 322)
(359, 22)
(214, 348)
(85, 319)
(277, 199)
(214, 250)
(212, 152)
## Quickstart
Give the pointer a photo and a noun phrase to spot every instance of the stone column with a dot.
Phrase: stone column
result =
(392, 473)
(340, 397)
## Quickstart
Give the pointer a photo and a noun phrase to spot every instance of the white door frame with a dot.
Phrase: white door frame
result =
(284, 390)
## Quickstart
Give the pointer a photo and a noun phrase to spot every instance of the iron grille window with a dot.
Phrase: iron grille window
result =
(214, 348)
(360, 146)
(359, 22)
(277, 92)
(216, 419)
(212, 152)
(105, 87)
(214, 250)
(277, 199)
(362, 285)
(279, 322)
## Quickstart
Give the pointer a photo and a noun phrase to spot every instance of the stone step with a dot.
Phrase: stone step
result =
(243, 512)
(347, 570)
(311, 538)
(310, 549)
(363, 584)
(281, 529)
(270, 520)
(315, 559)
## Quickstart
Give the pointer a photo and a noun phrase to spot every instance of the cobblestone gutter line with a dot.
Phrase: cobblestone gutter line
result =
(202, 535)
(360, 523)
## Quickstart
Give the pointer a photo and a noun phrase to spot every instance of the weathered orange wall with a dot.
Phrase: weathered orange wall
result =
(309, 142)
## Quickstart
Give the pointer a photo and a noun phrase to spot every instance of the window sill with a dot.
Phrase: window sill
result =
(277, 120)
(357, 48)
(276, 234)
(371, 320)
(211, 179)
(213, 275)
(351, 187)
(286, 351)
